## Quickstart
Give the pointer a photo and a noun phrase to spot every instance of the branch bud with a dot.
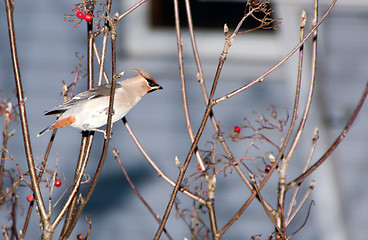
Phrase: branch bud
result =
(271, 158)
(226, 30)
(303, 19)
(315, 134)
(177, 162)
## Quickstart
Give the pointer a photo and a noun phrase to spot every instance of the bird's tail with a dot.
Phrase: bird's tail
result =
(43, 131)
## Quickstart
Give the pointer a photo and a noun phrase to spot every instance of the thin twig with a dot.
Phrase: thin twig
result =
(83, 157)
(334, 144)
(293, 198)
(205, 96)
(195, 142)
(156, 217)
(261, 199)
(160, 173)
(261, 78)
(63, 211)
(285, 161)
(305, 221)
(131, 9)
(183, 85)
(250, 199)
(104, 44)
(95, 50)
(15, 185)
(297, 209)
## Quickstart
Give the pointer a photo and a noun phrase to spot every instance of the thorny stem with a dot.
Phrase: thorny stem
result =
(23, 118)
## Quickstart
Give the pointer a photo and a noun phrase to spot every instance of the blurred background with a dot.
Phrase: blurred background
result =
(46, 49)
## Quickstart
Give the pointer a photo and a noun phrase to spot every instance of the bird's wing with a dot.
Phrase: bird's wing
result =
(97, 92)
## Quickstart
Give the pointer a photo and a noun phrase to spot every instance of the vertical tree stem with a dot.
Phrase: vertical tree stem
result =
(23, 119)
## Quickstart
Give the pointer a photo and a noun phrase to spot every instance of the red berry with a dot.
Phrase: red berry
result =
(199, 168)
(80, 15)
(30, 198)
(80, 236)
(267, 168)
(58, 183)
(88, 17)
(237, 129)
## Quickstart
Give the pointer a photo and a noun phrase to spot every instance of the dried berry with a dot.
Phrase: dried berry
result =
(30, 198)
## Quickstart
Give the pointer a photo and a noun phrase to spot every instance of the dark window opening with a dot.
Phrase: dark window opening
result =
(205, 14)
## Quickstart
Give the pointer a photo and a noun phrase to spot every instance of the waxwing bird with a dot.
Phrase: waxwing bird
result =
(88, 110)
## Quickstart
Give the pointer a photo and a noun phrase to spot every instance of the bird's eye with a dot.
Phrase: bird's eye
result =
(151, 83)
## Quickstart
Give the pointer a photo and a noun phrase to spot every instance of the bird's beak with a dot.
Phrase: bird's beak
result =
(154, 88)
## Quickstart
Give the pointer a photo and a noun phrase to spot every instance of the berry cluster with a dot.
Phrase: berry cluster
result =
(88, 10)
(80, 14)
